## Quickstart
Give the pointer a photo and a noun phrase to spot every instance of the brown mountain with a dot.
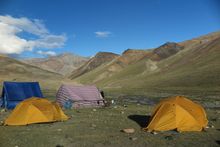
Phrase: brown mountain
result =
(62, 64)
(99, 59)
(14, 70)
(128, 57)
(168, 49)
(192, 64)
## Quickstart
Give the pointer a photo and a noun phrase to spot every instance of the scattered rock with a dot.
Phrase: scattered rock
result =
(59, 130)
(155, 133)
(212, 126)
(93, 125)
(128, 130)
(16, 146)
(133, 138)
(122, 112)
(94, 110)
(115, 107)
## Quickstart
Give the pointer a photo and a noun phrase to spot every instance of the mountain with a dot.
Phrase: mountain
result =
(14, 70)
(99, 59)
(62, 64)
(168, 49)
(192, 65)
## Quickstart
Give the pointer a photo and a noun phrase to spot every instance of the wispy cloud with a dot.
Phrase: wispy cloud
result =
(103, 34)
(46, 53)
(11, 43)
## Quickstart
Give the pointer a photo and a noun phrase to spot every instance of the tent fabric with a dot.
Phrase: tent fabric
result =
(177, 113)
(35, 110)
(15, 92)
(80, 96)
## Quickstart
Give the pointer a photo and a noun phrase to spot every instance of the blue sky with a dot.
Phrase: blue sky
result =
(85, 27)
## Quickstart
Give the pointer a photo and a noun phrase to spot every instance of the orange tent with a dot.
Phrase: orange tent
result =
(177, 113)
(35, 110)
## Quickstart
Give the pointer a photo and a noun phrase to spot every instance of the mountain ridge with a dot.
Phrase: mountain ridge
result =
(145, 69)
(62, 64)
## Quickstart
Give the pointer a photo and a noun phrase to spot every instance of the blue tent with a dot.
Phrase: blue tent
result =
(15, 92)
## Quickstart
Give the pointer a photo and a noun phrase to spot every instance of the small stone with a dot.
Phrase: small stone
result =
(128, 130)
(59, 130)
(115, 107)
(122, 112)
(212, 126)
(93, 125)
(133, 138)
(155, 133)
(94, 110)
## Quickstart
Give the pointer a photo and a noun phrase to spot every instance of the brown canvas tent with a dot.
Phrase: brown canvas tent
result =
(79, 96)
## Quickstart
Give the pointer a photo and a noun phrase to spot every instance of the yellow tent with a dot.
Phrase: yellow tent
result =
(177, 113)
(35, 110)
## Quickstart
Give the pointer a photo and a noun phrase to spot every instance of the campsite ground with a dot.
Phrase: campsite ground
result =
(101, 127)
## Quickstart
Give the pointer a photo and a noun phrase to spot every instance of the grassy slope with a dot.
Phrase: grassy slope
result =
(195, 68)
(13, 70)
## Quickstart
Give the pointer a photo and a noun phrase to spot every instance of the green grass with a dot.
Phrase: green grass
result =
(102, 128)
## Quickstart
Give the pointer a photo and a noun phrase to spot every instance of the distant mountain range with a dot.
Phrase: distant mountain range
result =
(191, 65)
(14, 70)
(62, 64)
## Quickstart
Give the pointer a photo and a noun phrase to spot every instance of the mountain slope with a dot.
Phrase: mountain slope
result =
(14, 70)
(62, 64)
(99, 59)
(194, 65)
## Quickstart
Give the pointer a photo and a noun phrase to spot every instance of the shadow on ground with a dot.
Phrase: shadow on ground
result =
(218, 142)
(141, 120)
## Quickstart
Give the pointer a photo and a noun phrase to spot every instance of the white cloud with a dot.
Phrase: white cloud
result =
(46, 53)
(103, 34)
(11, 43)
